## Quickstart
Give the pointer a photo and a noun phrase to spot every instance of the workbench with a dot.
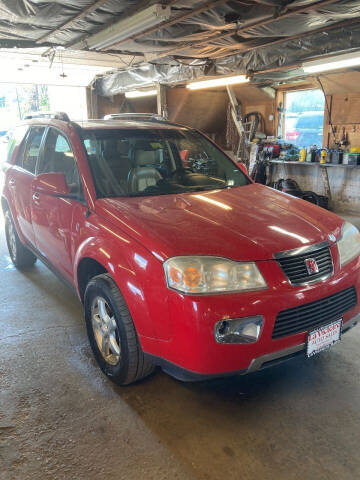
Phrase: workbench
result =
(340, 183)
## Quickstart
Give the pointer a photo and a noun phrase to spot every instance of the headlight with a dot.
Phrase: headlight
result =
(212, 275)
(349, 243)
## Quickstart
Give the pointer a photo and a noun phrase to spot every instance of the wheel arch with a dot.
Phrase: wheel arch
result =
(87, 269)
(7, 206)
(101, 254)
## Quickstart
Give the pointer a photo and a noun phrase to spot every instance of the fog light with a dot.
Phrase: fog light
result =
(239, 330)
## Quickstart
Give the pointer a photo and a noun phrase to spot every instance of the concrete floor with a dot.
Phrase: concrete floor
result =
(60, 418)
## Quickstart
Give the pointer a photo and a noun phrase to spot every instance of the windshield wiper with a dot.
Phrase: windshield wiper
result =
(205, 189)
(186, 189)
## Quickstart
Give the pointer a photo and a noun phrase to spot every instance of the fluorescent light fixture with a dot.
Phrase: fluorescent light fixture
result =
(332, 63)
(123, 29)
(140, 93)
(217, 82)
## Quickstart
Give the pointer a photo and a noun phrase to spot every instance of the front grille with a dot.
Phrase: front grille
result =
(295, 269)
(314, 314)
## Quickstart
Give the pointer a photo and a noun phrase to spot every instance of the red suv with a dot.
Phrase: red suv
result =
(179, 259)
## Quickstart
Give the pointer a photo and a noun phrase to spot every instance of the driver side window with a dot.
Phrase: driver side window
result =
(58, 157)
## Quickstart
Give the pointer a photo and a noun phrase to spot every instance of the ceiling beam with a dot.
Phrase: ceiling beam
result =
(344, 23)
(172, 21)
(214, 36)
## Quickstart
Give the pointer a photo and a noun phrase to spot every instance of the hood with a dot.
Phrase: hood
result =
(243, 223)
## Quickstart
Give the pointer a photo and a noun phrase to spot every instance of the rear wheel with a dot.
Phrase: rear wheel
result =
(112, 333)
(21, 256)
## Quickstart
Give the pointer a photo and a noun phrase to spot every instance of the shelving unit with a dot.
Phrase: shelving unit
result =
(323, 169)
(314, 164)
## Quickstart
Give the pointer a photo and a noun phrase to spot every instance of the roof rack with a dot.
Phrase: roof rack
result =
(55, 115)
(136, 116)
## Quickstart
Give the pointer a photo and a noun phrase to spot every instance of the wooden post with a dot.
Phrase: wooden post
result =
(325, 176)
(92, 103)
(328, 134)
(161, 101)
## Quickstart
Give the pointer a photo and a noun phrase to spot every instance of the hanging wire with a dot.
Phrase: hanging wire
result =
(63, 74)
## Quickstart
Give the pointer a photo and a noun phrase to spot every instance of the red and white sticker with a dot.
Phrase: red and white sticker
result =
(323, 338)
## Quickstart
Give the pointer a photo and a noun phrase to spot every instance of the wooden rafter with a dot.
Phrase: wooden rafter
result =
(344, 23)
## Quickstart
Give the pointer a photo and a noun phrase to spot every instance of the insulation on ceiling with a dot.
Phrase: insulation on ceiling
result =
(294, 53)
(193, 47)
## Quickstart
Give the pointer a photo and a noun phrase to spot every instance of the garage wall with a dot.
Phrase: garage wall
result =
(253, 99)
(118, 103)
(343, 98)
(345, 117)
(205, 109)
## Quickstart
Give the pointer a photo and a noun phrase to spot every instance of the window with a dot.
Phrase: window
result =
(58, 157)
(32, 148)
(2, 102)
(16, 137)
(304, 117)
(157, 162)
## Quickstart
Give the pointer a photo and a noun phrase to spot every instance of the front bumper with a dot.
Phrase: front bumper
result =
(192, 348)
(258, 363)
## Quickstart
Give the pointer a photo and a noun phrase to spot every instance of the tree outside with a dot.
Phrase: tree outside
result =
(18, 100)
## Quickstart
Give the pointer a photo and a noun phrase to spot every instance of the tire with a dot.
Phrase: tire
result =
(21, 256)
(123, 360)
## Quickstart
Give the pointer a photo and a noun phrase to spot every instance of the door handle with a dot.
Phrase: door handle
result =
(36, 196)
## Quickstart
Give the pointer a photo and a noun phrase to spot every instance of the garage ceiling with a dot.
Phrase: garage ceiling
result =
(72, 68)
(267, 39)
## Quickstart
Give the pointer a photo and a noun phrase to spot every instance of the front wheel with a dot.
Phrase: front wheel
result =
(112, 334)
(21, 256)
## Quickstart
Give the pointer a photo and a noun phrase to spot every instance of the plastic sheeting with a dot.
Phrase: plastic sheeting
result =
(31, 19)
(146, 75)
(294, 52)
(170, 52)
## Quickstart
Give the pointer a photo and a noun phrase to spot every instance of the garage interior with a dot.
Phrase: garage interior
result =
(60, 418)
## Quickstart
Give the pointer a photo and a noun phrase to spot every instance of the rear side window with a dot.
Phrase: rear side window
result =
(32, 148)
(16, 137)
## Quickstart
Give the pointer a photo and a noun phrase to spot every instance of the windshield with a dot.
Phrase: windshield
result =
(157, 162)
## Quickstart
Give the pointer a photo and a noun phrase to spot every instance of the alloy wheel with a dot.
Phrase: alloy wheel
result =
(105, 330)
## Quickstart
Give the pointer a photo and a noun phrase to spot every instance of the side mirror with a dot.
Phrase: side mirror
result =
(242, 167)
(52, 184)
